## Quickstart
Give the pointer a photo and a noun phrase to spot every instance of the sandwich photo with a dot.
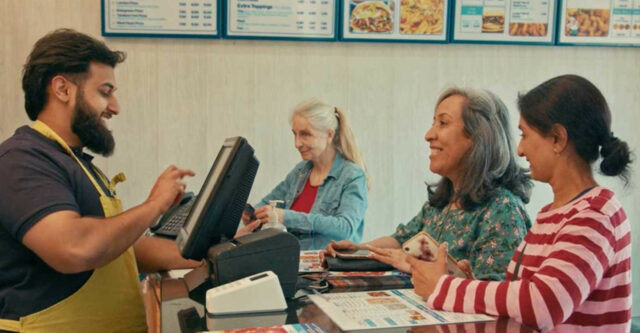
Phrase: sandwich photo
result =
(493, 20)
(371, 16)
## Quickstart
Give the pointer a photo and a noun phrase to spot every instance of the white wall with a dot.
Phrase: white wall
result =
(181, 98)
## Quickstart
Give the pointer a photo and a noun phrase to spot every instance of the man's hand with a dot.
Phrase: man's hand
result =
(169, 188)
(425, 275)
(394, 257)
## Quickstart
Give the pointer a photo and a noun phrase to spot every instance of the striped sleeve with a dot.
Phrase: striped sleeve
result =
(570, 266)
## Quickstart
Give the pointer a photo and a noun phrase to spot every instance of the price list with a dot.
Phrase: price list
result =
(300, 19)
(160, 17)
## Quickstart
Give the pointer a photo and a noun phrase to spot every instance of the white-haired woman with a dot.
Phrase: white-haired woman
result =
(326, 193)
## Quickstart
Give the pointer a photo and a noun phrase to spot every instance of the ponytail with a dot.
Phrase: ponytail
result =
(345, 143)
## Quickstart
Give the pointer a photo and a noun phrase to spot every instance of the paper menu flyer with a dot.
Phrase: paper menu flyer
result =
(600, 22)
(293, 328)
(393, 20)
(160, 17)
(524, 21)
(310, 262)
(386, 309)
(308, 19)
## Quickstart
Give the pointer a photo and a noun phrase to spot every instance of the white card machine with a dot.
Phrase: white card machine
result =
(257, 293)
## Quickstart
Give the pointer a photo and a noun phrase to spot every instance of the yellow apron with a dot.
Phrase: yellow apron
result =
(110, 301)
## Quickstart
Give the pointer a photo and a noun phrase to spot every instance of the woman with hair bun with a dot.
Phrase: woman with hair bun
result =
(572, 271)
(326, 193)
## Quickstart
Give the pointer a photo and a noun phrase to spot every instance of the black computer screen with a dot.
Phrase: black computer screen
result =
(218, 207)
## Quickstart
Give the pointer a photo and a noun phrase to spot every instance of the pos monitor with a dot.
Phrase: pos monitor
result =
(218, 207)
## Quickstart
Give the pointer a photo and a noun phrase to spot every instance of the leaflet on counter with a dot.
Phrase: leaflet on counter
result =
(293, 328)
(310, 262)
(600, 22)
(160, 18)
(510, 21)
(395, 20)
(300, 19)
(386, 309)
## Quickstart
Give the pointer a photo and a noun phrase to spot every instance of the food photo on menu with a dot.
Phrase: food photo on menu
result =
(421, 17)
(371, 16)
(528, 29)
(493, 20)
(587, 22)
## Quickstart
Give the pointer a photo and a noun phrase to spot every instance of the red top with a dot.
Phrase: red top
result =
(304, 201)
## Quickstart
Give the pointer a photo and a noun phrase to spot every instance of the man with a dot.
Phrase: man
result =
(66, 247)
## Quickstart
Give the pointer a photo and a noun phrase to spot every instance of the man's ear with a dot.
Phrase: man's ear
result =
(62, 89)
(560, 137)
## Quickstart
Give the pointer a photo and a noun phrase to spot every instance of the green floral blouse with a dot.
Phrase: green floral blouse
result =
(487, 235)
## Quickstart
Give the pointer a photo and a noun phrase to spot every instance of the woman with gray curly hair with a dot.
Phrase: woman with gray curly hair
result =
(478, 205)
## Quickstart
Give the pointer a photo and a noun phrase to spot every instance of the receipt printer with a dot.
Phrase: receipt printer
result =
(265, 250)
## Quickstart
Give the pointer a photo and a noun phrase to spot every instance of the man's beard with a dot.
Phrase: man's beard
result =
(87, 125)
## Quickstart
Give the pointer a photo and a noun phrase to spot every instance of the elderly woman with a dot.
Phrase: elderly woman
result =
(572, 272)
(326, 193)
(477, 207)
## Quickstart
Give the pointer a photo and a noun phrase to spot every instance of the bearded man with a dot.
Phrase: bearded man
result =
(69, 254)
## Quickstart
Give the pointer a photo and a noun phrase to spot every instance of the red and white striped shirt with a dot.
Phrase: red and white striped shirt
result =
(575, 273)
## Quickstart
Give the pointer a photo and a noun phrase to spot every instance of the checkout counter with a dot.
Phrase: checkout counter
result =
(170, 309)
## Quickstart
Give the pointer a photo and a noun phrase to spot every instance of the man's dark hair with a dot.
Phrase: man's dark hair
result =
(66, 52)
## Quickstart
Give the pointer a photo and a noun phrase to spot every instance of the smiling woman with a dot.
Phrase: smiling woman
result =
(326, 193)
(572, 271)
(478, 205)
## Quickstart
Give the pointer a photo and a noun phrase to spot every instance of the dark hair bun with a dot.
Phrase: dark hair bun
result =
(615, 157)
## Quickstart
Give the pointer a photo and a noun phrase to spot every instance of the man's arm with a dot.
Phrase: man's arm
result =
(71, 243)
(160, 254)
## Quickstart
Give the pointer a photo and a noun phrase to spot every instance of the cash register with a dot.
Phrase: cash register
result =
(209, 229)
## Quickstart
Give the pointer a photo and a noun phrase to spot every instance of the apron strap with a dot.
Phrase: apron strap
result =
(45, 130)
(10, 325)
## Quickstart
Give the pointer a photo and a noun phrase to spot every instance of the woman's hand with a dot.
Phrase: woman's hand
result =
(394, 257)
(465, 266)
(264, 214)
(425, 275)
(343, 245)
(249, 228)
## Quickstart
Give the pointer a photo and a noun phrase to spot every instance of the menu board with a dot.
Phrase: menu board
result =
(281, 19)
(395, 20)
(505, 21)
(160, 18)
(600, 22)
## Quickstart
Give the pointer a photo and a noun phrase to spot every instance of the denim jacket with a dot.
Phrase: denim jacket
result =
(340, 204)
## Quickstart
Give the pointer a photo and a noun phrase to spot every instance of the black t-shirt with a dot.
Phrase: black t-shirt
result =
(37, 178)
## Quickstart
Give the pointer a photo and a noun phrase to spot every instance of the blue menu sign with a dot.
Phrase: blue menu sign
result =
(160, 18)
(281, 19)
(505, 21)
(600, 22)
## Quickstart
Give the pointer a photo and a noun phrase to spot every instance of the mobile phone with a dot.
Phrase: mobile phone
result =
(353, 254)
(250, 211)
(424, 247)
